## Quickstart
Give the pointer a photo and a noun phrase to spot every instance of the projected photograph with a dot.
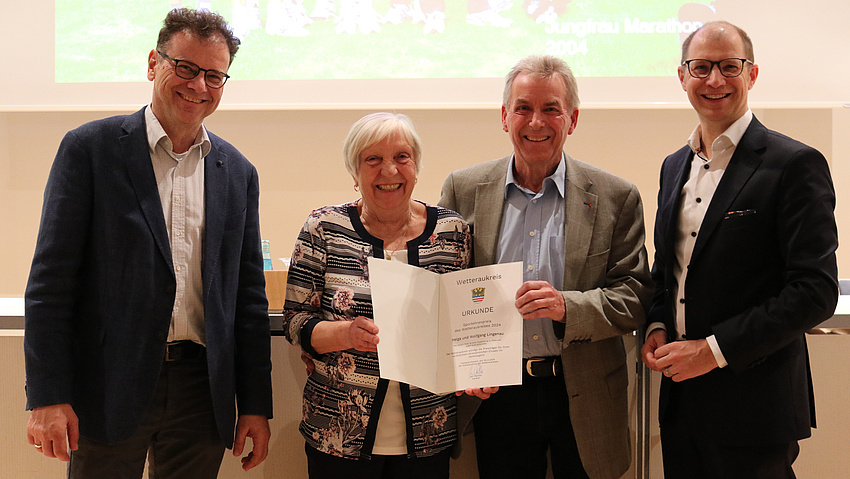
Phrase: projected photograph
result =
(103, 41)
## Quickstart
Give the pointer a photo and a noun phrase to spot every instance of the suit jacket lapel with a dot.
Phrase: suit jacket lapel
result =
(580, 206)
(673, 198)
(742, 165)
(215, 208)
(134, 146)
(489, 203)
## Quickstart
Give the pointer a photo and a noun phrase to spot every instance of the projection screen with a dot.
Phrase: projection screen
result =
(339, 54)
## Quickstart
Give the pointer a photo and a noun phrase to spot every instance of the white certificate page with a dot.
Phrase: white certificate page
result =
(449, 332)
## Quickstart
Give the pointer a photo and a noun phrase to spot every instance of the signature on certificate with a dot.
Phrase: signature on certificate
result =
(476, 371)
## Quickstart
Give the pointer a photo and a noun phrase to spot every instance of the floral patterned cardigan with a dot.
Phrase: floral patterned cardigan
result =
(328, 280)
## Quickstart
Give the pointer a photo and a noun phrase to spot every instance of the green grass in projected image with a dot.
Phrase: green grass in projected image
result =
(109, 40)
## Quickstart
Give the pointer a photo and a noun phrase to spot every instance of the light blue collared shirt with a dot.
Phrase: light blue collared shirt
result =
(533, 232)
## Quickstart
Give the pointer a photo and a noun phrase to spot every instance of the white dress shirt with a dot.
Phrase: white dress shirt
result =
(697, 193)
(180, 181)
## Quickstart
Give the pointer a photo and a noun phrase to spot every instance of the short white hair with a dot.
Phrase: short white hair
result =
(374, 128)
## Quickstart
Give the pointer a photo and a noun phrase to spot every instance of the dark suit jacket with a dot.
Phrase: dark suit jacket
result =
(606, 285)
(763, 272)
(101, 289)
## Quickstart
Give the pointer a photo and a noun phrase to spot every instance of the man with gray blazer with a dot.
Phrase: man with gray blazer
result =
(579, 232)
(146, 319)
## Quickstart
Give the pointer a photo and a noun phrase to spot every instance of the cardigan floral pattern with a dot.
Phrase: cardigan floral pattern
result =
(328, 280)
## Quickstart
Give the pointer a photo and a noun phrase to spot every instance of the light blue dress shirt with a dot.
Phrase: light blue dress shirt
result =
(533, 232)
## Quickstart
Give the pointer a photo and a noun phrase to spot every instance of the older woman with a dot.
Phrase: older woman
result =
(355, 423)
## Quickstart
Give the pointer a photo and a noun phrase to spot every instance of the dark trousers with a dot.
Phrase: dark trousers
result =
(326, 466)
(178, 434)
(688, 454)
(516, 427)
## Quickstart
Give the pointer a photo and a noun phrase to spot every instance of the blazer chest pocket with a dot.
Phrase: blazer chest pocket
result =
(235, 221)
(735, 214)
(740, 218)
(597, 260)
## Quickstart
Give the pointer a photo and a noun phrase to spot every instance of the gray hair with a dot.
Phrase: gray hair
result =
(543, 66)
(374, 128)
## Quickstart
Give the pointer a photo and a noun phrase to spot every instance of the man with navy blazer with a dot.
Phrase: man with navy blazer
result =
(146, 319)
(579, 232)
(745, 241)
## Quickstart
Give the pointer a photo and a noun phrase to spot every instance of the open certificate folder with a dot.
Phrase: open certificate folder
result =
(447, 332)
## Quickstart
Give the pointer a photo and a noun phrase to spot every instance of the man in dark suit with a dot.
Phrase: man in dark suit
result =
(146, 318)
(745, 241)
(579, 232)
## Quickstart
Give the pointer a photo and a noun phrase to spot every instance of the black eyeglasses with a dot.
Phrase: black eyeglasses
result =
(730, 67)
(188, 70)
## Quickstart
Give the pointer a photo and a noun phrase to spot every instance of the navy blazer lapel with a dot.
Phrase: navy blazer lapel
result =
(215, 208)
(744, 162)
(136, 154)
(673, 197)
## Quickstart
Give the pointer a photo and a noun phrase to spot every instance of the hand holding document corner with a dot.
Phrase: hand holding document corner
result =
(449, 332)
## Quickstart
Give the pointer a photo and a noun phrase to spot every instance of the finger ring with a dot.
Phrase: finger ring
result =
(667, 372)
(37, 446)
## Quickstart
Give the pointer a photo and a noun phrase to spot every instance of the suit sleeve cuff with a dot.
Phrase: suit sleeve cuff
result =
(652, 327)
(715, 349)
